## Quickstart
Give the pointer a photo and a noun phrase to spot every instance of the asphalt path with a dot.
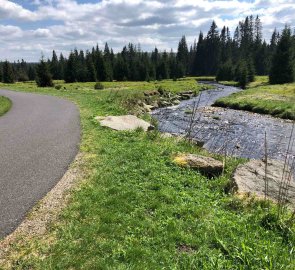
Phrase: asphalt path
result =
(39, 138)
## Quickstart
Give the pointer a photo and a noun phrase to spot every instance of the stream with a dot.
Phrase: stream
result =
(236, 133)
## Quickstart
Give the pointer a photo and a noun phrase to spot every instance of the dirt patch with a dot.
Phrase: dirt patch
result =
(43, 214)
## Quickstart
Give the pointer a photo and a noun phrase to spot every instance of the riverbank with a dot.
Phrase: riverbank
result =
(135, 209)
(260, 97)
(5, 105)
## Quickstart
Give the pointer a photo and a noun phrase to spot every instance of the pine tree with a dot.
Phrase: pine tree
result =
(198, 66)
(282, 67)
(91, 72)
(182, 57)
(225, 72)
(212, 50)
(54, 67)
(44, 77)
(242, 75)
(70, 71)
(8, 74)
(32, 73)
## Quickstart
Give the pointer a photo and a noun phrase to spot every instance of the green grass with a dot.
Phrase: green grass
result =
(137, 210)
(5, 105)
(205, 78)
(260, 97)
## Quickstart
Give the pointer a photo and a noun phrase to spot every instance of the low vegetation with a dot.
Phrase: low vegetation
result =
(260, 97)
(5, 105)
(137, 210)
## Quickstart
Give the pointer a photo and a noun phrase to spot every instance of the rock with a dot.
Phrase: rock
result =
(249, 178)
(176, 102)
(166, 135)
(124, 122)
(151, 93)
(165, 103)
(185, 96)
(147, 108)
(198, 143)
(155, 104)
(206, 165)
(176, 136)
(187, 93)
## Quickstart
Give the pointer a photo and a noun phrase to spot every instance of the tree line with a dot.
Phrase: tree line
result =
(237, 57)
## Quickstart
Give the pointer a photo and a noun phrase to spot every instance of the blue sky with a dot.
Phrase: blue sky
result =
(29, 28)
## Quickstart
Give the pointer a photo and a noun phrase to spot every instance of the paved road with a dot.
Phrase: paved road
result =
(39, 138)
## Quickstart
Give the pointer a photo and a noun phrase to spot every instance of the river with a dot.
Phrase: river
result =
(236, 133)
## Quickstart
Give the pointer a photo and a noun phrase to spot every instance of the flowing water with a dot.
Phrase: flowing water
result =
(236, 133)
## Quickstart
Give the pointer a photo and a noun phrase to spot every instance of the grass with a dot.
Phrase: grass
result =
(137, 210)
(260, 97)
(5, 105)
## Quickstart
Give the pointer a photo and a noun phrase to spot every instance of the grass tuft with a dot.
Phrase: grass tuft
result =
(5, 105)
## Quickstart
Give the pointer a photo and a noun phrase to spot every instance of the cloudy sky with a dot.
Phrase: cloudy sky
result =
(28, 28)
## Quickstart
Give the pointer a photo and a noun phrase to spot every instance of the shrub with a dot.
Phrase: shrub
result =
(58, 87)
(98, 86)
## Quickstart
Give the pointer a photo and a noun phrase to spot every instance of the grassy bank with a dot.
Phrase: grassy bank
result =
(137, 210)
(5, 105)
(260, 97)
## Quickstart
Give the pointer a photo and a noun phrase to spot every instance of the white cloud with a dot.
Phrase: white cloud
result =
(65, 24)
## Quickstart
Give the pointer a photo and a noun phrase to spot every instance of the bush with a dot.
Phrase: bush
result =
(58, 87)
(225, 72)
(44, 77)
(98, 86)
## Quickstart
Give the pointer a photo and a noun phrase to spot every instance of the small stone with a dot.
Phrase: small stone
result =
(206, 165)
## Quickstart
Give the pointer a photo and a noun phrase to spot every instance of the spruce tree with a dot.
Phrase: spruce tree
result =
(182, 57)
(54, 67)
(70, 71)
(8, 73)
(242, 75)
(282, 67)
(44, 77)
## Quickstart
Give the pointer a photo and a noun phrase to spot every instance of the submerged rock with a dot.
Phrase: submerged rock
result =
(206, 165)
(124, 122)
(249, 178)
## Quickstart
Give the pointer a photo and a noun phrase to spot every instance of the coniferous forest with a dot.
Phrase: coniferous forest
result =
(229, 56)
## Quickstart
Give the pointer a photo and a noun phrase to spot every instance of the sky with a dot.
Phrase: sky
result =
(29, 29)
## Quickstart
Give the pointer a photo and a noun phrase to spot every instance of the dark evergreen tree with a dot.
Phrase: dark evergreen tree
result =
(212, 50)
(225, 72)
(282, 68)
(44, 77)
(199, 61)
(8, 74)
(91, 72)
(32, 73)
(70, 71)
(242, 75)
(54, 67)
(182, 57)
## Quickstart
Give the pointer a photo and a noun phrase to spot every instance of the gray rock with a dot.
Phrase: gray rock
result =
(147, 108)
(249, 178)
(176, 102)
(124, 122)
(185, 96)
(206, 165)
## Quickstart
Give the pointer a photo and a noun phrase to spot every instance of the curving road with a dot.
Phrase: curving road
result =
(39, 138)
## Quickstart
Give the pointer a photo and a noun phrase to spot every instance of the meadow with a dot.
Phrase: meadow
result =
(261, 97)
(135, 209)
